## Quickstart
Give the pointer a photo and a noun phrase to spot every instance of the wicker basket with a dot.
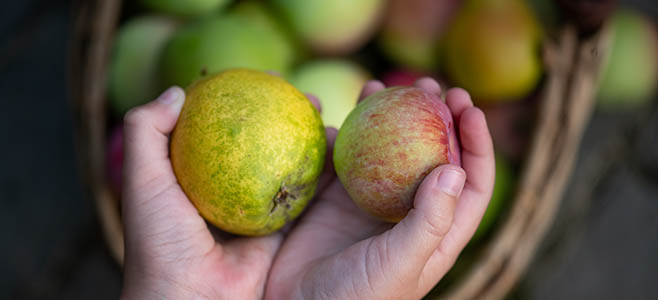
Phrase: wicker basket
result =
(566, 103)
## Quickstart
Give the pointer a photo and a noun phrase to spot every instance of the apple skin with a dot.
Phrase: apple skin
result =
(337, 84)
(400, 77)
(388, 144)
(114, 159)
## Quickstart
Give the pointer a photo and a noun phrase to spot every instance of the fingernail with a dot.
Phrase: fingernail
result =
(451, 182)
(171, 96)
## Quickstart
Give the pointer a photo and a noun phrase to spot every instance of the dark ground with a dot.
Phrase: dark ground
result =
(604, 244)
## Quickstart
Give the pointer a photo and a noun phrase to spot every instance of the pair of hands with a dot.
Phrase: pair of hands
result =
(334, 251)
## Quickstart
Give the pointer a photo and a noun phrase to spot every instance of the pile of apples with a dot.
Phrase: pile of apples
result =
(492, 48)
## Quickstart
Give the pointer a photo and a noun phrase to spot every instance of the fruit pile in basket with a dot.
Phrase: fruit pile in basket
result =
(491, 48)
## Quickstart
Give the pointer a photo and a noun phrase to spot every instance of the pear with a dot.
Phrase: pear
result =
(248, 150)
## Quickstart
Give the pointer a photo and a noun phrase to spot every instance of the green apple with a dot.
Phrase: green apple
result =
(492, 50)
(185, 7)
(336, 83)
(133, 68)
(261, 13)
(630, 76)
(501, 195)
(333, 27)
(222, 42)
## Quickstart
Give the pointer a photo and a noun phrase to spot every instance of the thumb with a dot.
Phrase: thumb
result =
(146, 141)
(412, 242)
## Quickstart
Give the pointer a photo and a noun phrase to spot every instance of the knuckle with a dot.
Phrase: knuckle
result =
(135, 116)
(438, 222)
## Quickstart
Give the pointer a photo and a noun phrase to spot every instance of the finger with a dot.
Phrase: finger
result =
(479, 163)
(329, 173)
(411, 242)
(146, 147)
(155, 210)
(371, 87)
(315, 101)
(428, 84)
(458, 100)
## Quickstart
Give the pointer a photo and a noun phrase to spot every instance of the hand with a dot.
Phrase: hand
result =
(170, 252)
(337, 251)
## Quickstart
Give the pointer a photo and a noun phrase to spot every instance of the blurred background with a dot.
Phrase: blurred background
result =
(603, 243)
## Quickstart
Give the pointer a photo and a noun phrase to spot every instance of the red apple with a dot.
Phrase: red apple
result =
(412, 28)
(388, 144)
(114, 159)
(401, 77)
(511, 126)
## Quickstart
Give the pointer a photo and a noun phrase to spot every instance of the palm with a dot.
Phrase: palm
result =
(338, 251)
(209, 262)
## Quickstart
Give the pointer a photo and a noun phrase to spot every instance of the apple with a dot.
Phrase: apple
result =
(492, 50)
(631, 73)
(511, 126)
(411, 31)
(408, 77)
(337, 84)
(332, 27)
(217, 43)
(134, 66)
(400, 77)
(388, 144)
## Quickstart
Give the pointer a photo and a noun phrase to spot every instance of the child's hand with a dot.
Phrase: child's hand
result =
(170, 252)
(336, 251)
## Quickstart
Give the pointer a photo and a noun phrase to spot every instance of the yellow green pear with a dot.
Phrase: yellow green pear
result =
(247, 150)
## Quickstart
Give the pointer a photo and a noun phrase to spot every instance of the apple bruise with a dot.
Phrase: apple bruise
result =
(283, 198)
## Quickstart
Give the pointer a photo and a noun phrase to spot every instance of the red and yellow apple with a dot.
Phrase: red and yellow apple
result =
(388, 144)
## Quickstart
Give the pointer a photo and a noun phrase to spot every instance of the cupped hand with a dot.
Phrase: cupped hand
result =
(170, 251)
(336, 251)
